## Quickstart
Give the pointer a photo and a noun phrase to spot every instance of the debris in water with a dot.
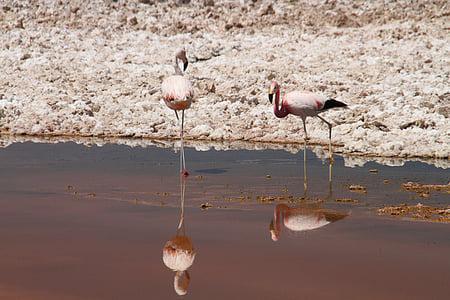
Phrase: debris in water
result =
(423, 189)
(357, 188)
(346, 200)
(418, 212)
(205, 206)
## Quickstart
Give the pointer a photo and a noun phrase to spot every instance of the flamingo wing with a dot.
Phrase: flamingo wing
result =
(303, 104)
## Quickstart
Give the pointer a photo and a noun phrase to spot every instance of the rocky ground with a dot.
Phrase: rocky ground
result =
(94, 68)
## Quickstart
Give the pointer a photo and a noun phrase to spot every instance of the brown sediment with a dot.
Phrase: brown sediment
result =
(357, 188)
(240, 199)
(346, 200)
(418, 212)
(287, 198)
(425, 189)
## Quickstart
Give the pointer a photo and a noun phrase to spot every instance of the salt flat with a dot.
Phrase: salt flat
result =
(95, 69)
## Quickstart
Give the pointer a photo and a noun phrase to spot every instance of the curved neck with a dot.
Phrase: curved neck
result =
(278, 216)
(279, 112)
(177, 67)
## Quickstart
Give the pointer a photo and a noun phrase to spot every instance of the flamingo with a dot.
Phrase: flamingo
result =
(302, 104)
(177, 92)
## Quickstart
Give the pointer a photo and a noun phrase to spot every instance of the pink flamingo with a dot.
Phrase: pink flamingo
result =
(177, 92)
(302, 104)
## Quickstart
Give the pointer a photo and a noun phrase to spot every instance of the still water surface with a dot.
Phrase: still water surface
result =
(96, 223)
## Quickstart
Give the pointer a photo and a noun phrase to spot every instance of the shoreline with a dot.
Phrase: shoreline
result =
(320, 149)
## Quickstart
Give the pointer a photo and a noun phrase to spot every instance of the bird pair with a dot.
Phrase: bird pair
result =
(178, 93)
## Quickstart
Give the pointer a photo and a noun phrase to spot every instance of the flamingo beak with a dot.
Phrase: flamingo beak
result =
(270, 98)
(185, 65)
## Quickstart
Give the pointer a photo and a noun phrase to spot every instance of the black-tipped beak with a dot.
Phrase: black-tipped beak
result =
(185, 65)
(270, 98)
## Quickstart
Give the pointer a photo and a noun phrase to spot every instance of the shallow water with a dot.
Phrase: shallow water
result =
(91, 223)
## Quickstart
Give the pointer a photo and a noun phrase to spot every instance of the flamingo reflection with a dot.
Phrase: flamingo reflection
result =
(306, 216)
(178, 252)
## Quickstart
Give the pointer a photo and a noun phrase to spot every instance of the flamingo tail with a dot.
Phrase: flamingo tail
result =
(332, 103)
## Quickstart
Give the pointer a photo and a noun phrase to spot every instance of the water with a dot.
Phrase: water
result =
(91, 223)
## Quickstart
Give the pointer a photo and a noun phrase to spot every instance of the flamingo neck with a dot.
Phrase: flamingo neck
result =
(279, 112)
(177, 67)
(278, 216)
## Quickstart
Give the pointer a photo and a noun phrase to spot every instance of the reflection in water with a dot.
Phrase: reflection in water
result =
(178, 252)
(301, 218)
(306, 216)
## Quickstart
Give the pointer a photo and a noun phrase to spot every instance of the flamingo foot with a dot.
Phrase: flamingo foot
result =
(184, 173)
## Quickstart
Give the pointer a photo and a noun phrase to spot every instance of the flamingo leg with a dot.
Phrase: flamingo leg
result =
(330, 179)
(305, 179)
(183, 189)
(182, 159)
(304, 128)
(176, 114)
(329, 137)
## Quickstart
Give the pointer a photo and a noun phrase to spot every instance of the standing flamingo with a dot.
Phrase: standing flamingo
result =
(302, 104)
(177, 92)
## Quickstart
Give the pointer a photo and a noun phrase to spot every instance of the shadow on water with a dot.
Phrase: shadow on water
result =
(211, 171)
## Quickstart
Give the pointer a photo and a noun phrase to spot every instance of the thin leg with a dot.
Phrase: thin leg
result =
(304, 128)
(176, 114)
(329, 137)
(183, 170)
(183, 189)
(305, 179)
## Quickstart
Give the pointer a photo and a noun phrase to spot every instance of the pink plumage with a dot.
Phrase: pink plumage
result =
(302, 104)
(177, 92)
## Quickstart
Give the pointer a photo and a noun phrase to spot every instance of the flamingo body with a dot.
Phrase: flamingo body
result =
(303, 104)
(177, 92)
(304, 222)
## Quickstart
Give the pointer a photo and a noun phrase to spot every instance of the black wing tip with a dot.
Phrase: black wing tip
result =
(332, 103)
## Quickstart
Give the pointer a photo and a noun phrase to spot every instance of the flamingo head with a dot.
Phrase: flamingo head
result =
(181, 282)
(274, 87)
(181, 59)
(274, 232)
